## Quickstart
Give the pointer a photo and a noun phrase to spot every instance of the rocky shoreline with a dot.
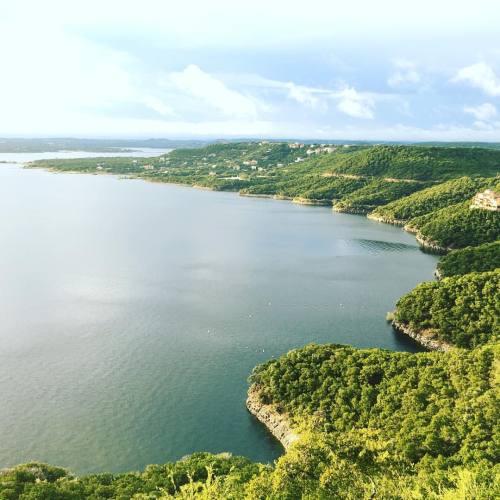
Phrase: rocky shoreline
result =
(430, 246)
(265, 196)
(386, 220)
(278, 424)
(351, 210)
(312, 201)
(426, 341)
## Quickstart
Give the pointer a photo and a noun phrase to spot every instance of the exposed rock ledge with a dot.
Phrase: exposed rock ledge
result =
(431, 246)
(386, 220)
(437, 274)
(278, 424)
(312, 201)
(345, 209)
(430, 343)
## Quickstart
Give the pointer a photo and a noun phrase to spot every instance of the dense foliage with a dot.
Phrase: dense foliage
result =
(431, 199)
(458, 226)
(375, 424)
(375, 193)
(412, 403)
(470, 259)
(419, 163)
(41, 481)
(461, 310)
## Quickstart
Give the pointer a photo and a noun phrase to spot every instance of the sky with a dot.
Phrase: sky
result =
(318, 69)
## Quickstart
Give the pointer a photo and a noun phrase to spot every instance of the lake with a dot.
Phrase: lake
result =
(133, 313)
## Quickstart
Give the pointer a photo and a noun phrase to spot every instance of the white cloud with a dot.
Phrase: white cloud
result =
(405, 74)
(481, 76)
(483, 113)
(158, 105)
(303, 95)
(354, 104)
(195, 82)
(348, 100)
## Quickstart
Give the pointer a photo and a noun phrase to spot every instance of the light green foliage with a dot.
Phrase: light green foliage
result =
(432, 198)
(375, 193)
(458, 226)
(420, 163)
(470, 259)
(380, 408)
(461, 310)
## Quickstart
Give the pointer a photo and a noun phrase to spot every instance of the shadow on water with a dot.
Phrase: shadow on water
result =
(378, 246)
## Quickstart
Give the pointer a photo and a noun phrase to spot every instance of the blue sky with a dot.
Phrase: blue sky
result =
(385, 70)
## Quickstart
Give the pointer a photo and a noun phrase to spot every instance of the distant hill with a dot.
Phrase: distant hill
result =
(38, 145)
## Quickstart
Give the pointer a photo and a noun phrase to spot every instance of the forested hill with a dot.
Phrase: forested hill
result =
(418, 162)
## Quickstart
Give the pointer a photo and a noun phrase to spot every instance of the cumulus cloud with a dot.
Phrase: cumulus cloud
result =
(355, 104)
(481, 76)
(158, 105)
(349, 100)
(484, 112)
(195, 82)
(405, 74)
(303, 95)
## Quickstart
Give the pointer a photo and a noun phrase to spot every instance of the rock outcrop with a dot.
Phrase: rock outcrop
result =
(431, 246)
(386, 220)
(278, 424)
(311, 201)
(427, 341)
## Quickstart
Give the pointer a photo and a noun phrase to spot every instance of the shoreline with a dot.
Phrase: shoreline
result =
(429, 343)
(278, 424)
(386, 220)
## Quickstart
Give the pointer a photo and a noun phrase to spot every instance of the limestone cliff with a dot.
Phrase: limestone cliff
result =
(428, 341)
(278, 424)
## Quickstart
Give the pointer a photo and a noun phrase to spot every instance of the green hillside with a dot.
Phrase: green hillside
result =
(458, 226)
(461, 310)
(431, 199)
(470, 259)
(420, 163)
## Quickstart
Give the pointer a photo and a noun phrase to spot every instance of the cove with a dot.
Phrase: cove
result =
(133, 313)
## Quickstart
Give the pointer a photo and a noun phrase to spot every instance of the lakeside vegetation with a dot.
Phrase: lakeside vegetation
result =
(457, 226)
(470, 259)
(460, 310)
(373, 423)
(431, 199)
(428, 188)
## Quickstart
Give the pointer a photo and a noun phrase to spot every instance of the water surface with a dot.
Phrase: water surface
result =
(132, 313)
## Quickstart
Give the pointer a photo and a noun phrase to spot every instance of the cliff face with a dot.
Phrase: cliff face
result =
(278, 424)
(430, 245)
(428, 342)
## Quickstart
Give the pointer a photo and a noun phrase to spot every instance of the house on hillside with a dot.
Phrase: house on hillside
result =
(487, 200)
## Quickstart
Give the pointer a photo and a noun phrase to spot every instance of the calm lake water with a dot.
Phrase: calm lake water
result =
(133, 313)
